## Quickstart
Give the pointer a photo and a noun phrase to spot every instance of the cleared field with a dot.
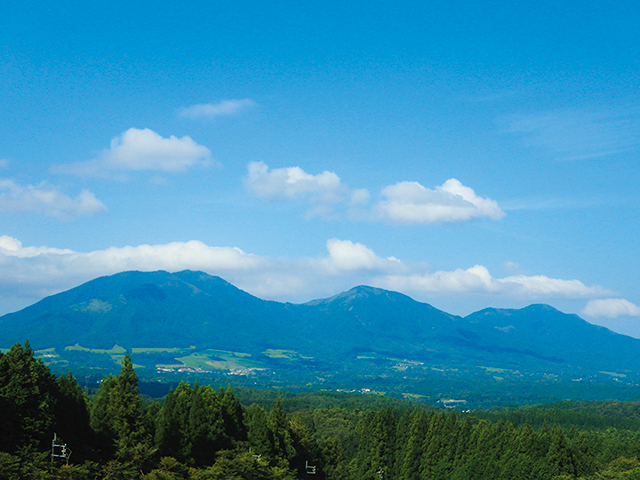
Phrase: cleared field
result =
(284, 354)
(219, 360)
(614, 374)
(494, 370)
(413, 396)
(161, 350)
(116, 350)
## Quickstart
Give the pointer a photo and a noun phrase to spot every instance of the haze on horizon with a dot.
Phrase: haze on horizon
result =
(468, 155)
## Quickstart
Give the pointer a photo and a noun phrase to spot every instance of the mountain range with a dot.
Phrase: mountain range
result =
(194, 309)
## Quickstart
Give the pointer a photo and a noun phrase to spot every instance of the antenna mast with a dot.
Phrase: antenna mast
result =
(59, 450)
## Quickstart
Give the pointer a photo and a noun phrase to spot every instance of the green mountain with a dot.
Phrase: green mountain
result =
(154, 309)
(544, 332)
(160, 310)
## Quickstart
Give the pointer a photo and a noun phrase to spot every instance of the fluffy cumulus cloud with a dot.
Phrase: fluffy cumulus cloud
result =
(345, 255)
(404, 202)
(410, 202)
(611, 308)
(47, 199)
(323, 191)
(141, 149)
(27, 273)
(292, 182)
(223, 108)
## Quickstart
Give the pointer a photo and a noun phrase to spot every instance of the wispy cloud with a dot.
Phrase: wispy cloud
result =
(138, 150)
(39, 271)
(477, 279)
(47, 199)
(579, 134)
(220, 109)
(611, 308)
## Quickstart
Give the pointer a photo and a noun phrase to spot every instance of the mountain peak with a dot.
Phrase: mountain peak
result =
(361, 292)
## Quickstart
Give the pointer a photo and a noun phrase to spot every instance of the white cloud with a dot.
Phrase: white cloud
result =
(12, 247)
(173, 256)
(406, 202)
(47, 199)
(223, 108)
(477, 279)
(410, 202)
(360, 196)
(611, 308)
(538, 286)
(473, 279)
(323, 191)
(346, 255)
(292, 183)
(141, 149)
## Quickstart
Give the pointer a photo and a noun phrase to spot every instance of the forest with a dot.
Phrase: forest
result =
(51, 429)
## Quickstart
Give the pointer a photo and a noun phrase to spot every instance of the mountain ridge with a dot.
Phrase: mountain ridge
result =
(162, 309)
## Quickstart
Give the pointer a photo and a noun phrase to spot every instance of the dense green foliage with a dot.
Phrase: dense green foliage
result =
(199, 433)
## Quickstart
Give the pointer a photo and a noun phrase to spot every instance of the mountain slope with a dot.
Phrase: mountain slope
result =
(155, 309)
(161, 309)
(369, 318)
(562, 337)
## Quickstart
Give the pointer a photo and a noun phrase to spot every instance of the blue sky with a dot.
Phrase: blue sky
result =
(468, 154)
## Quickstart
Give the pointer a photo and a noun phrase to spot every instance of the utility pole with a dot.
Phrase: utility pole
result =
(59, 450)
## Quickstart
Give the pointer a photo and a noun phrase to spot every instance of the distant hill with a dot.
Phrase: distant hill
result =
(161, 309)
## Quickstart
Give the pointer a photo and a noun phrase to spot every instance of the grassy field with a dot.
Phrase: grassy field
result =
(116, 350)
(161, 350)
(209, 360)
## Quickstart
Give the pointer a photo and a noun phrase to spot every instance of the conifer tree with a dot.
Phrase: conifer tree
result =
(377, 445)
(305, 446)
(258, 430)
(409, 468)
(334, 461)
(233, 415)
(280, 438)
(118, 415)
(101, 409)
(167, 431)
(559, 457)
(28, 393)
(206, 426)
(72, 418)
(127, 414)
(434, 446)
